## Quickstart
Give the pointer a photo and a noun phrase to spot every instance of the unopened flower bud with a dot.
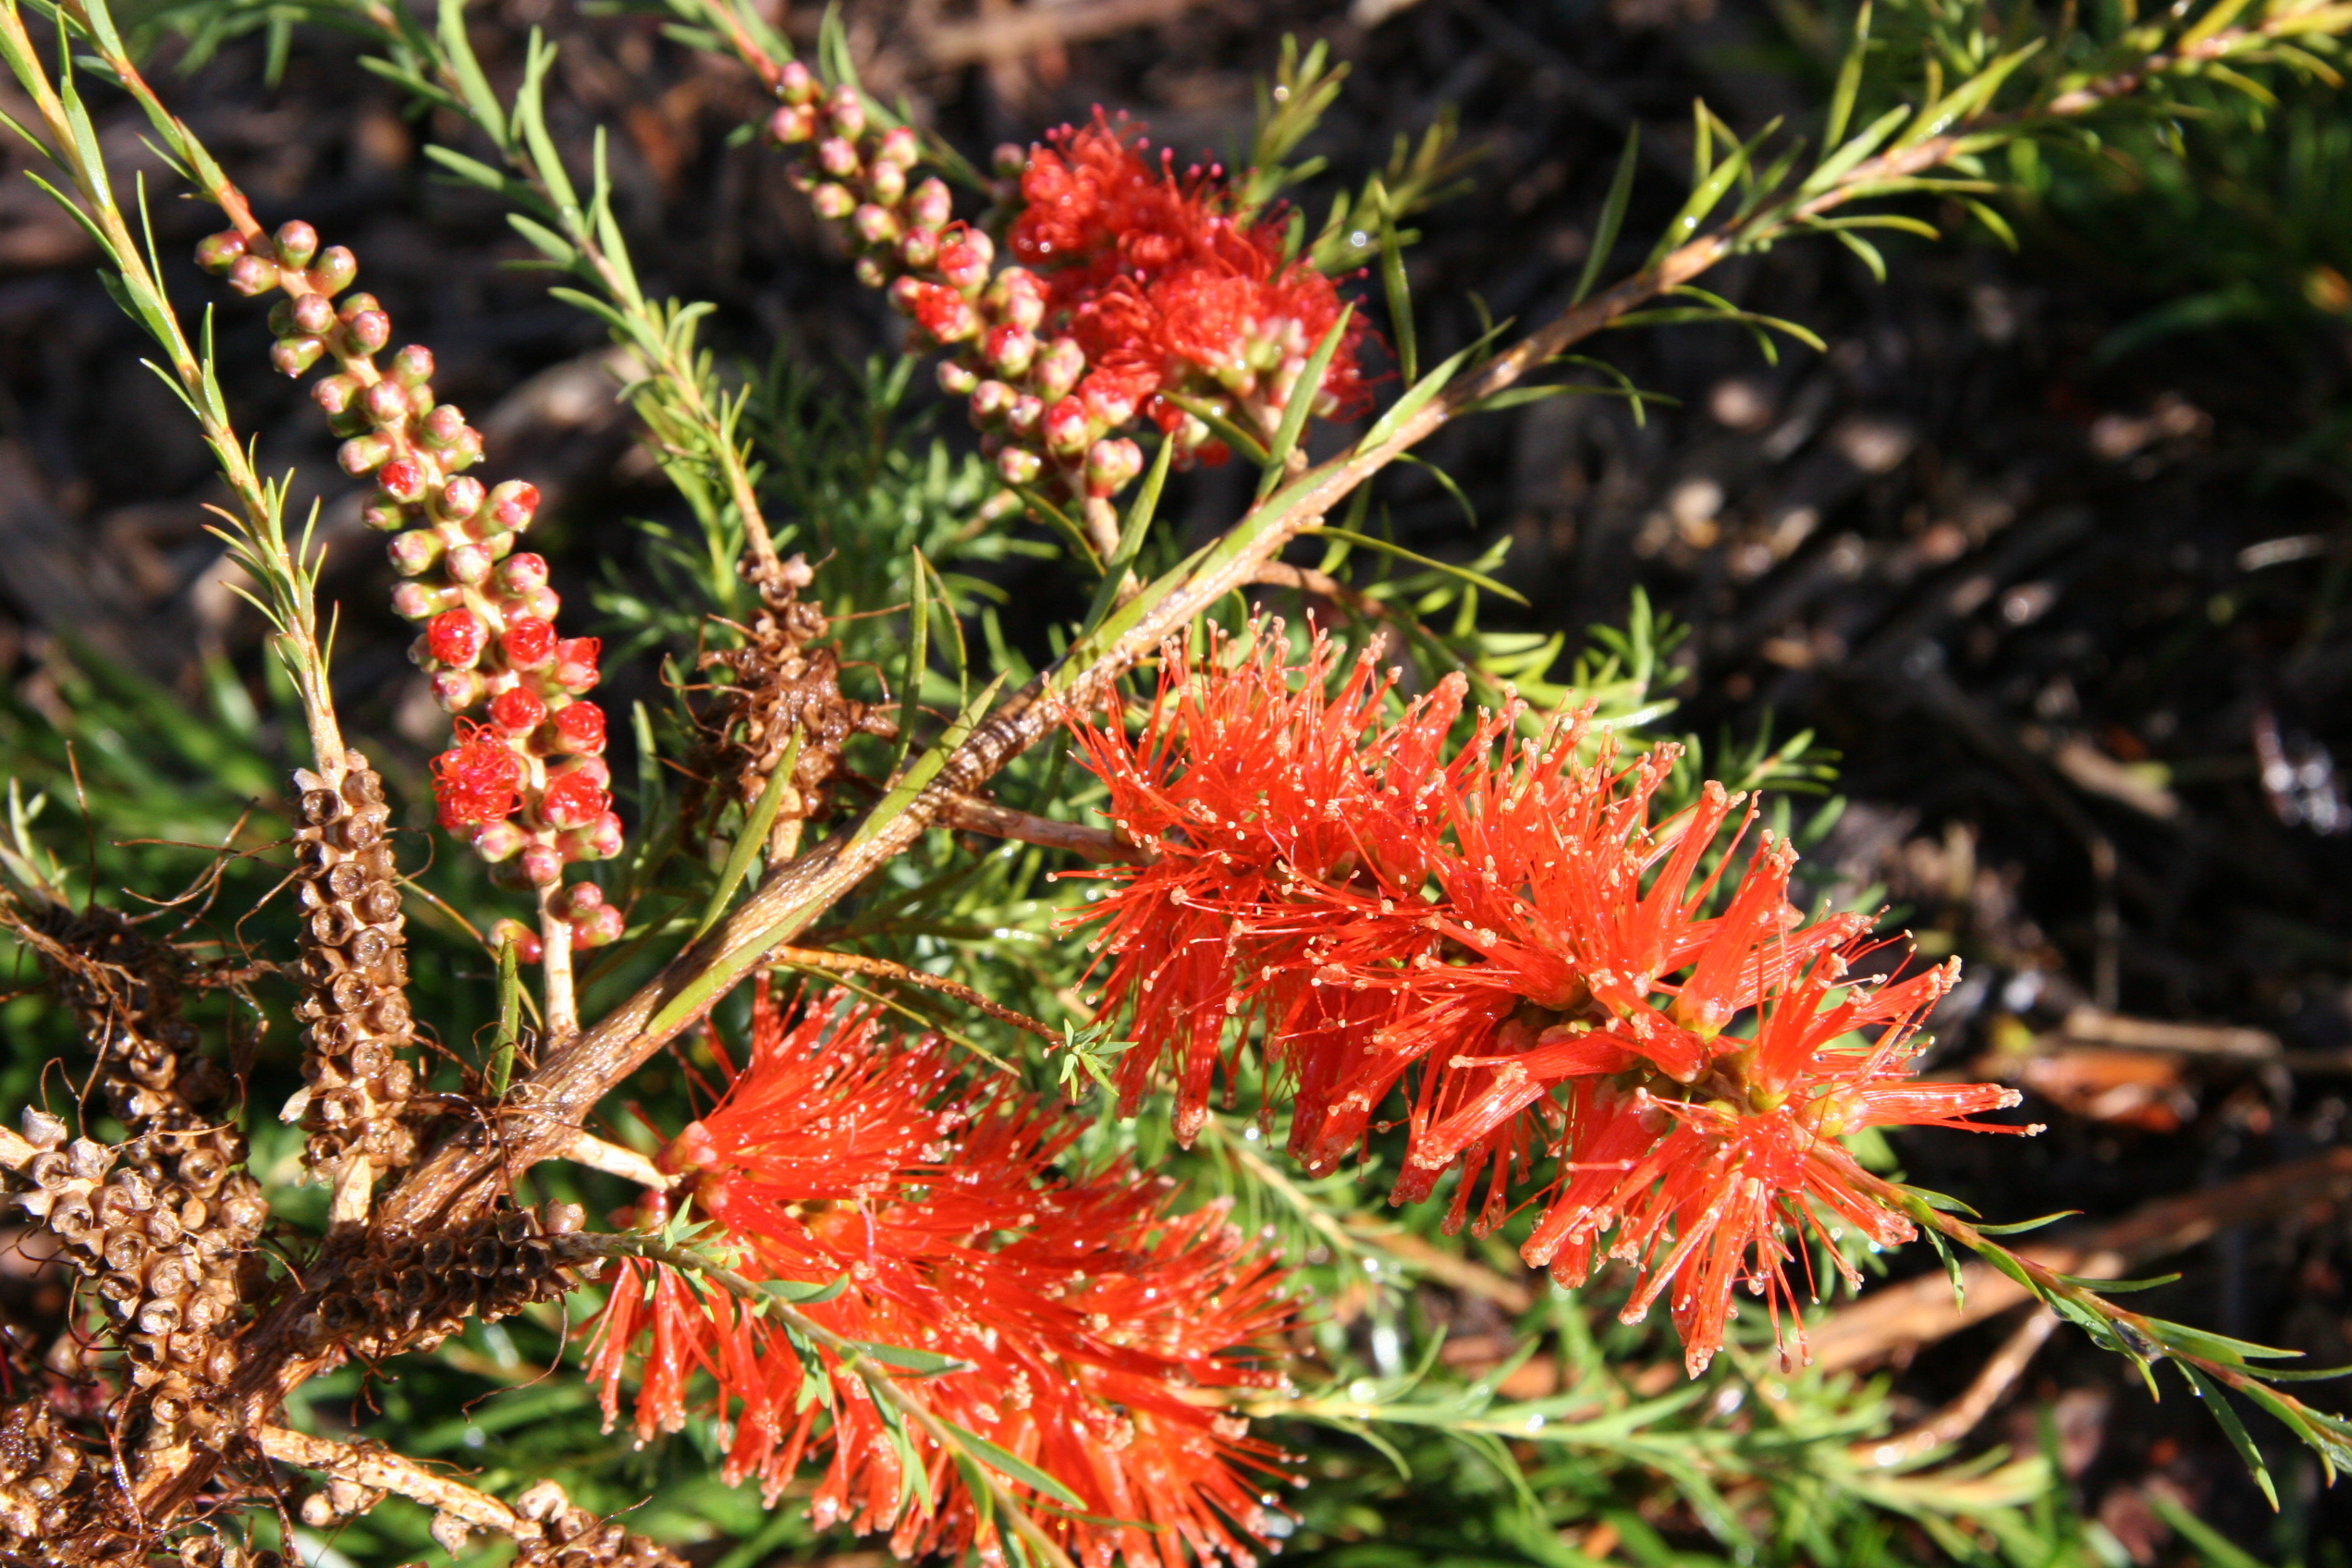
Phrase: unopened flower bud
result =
(384, 516)
(458, 690)
(297, 243)
(833, 203)
(1066, 428)
(836, 156)
(795, 83)
(1019, 465)
(218, 253)
(470, 564)
(542, 604)
(919, 252)
(601, 839)
(933, 205)
(947, 315)
(1112, 465)
(513, 503)
(991, 400)
(334, 271)
(1017, 297)
(312, 313)
(460, 498)
(874, 224)
(444, 427)
(603, 925)
(577, 901)
(1109, 407)
(520, 574)
(1010, 159)
(792, 124)
(334, 393)
(251, 275)
(293, 356)
(887, 184)
(414, 551)
(385, 404)
(540, 864)
(413, 366)
(846, 109)
(368, 330)
(964, 254)
(362, 454)
(957, 379)
(901, 148)
(421, 601)
(1009, 350)
(1026, 410)
(498, 841)
(1062, 366)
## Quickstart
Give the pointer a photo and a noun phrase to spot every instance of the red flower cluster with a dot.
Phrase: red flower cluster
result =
(1141, 286)
(1168, 288)
(1511, 939)
(1095, 1320)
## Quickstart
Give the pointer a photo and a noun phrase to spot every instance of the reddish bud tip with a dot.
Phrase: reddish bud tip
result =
(573, 800)
(792, 124)
(520, 574)
(600, 927)
(403, 479)
(456, 638)
(334, 270)
(251, 274)
(297, 244)
(1019, 465)
(580, 728)
(460, 498)
(529, 643)
(576, 663)
(931, 205)
(1009, 159)
(367, 331)
(414, 552)
(957, 379)
(794, 83)
(218, 253)
(511, 932)
(293, 356)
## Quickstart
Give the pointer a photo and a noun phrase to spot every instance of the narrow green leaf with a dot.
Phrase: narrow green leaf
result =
(1303, 392)
(805, 1292)
(927, 767)
(1612, 217)
(502, 1047)
(1836, 166)
(921, 1363)
(2217, 1401)
(1864, 248)
(1392, 418)
(1372, 541)
(1013, 1467)
(1400, 295)
(1060, 522)
(1703, 201)
(2018, 1228)
(549, 243)
(482, 104)
(1849, 79)
(531, 123)
(2120, 1286)
(918, 659)
(752, 839)
(1993, 221)
(1140, 513)
(1233, 435)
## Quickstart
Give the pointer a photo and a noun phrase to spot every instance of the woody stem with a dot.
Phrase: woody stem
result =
(558, 1005)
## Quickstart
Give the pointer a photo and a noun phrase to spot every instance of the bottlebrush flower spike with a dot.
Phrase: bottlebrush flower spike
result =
(840, 1154)
(1509, 937)
(489, 641)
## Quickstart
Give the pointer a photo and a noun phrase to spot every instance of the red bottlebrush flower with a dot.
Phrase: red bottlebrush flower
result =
(1247, 791)
(1509, 935)
(580, 727)
(528, 643)
(1092, 1317)
(517, 711)
(1168, 288)
(573, 800)
(477, 780)
(455, 638)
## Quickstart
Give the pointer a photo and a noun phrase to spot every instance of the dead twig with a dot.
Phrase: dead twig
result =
(381, 1470)
(1960, 1417)
(889, 969)
(977, 814)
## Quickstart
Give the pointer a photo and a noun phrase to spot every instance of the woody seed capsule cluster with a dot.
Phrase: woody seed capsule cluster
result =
(162, 1222)
(414, 1291)
(355, 972)
(574, 1537)
(526, 781)
(52, 1509)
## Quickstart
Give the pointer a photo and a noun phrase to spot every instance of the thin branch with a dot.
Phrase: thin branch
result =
(560, 1003)
(586, 1148)
(1960, 1417)
(381, 1470)
(887, 969)
(977, 814)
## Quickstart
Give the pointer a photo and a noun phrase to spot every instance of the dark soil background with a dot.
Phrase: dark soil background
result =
(2072, 617)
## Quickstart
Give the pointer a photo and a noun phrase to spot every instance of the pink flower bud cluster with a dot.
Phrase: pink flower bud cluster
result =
(526, 781)
(1045, 424)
